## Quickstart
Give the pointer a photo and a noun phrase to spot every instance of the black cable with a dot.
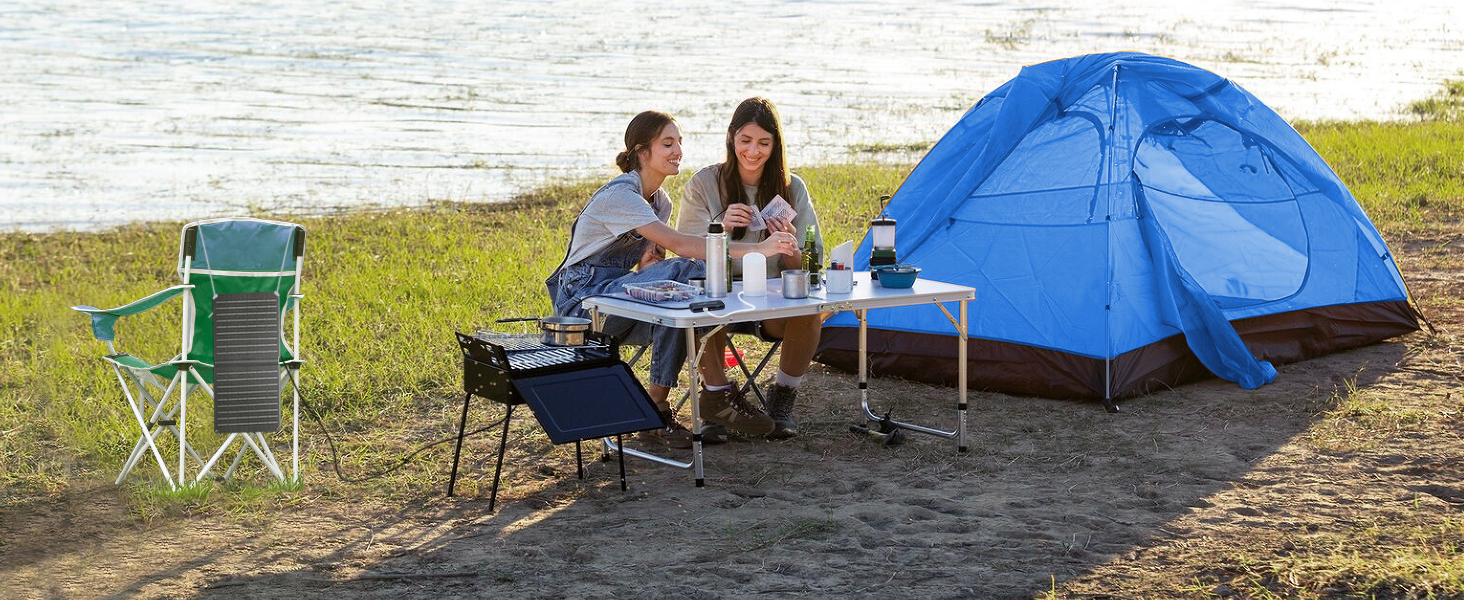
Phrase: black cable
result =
(335, 456)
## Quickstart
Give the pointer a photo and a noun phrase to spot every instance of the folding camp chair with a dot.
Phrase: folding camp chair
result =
(751, 374)
(242, 278)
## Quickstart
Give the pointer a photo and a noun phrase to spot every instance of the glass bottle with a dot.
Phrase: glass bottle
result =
(812, 258)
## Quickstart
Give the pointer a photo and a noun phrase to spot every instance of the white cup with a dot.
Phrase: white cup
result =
(840, 281)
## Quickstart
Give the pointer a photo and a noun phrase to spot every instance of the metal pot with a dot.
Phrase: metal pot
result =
(558, 331)
(564, 331)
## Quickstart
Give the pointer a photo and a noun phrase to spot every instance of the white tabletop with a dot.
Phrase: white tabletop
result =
(740, 307)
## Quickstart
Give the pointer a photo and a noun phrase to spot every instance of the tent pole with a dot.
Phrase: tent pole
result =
(1108, 404)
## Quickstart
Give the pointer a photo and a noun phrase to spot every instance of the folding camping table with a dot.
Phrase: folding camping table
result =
(741, 308)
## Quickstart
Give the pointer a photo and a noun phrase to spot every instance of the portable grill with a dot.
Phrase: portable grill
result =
(575, 392)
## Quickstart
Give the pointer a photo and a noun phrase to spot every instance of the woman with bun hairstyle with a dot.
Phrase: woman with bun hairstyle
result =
(618, 239)
(754, 172)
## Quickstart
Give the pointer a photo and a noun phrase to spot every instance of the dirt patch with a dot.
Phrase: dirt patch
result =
(1177, 496)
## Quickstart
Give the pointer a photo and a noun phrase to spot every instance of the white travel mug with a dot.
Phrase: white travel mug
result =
(754, 274)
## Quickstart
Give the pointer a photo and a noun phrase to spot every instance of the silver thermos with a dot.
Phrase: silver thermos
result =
(716, 261)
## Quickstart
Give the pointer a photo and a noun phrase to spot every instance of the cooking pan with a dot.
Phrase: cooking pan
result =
(558, 331)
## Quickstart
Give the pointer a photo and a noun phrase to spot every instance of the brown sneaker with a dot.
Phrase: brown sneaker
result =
(780, 403)
(730, 409)
(713, 433)
(673, 435)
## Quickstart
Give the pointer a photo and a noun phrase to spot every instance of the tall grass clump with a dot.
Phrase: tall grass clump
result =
(1446, 105)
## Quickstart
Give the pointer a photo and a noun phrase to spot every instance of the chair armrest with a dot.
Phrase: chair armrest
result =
(104, 320)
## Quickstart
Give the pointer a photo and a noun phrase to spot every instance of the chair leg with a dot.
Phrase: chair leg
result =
(295, 419)
(620, 443)
(756, 372)
(261, 450)
(207, 467)
(751, 374)
(182, 422)
(238, 458)
(147, 433)
(139, 450)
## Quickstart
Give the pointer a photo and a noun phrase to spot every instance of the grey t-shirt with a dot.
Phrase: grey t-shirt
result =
(614, 209)
(703, 198)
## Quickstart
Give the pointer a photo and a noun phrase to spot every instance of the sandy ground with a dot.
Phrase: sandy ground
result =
(1151, 502)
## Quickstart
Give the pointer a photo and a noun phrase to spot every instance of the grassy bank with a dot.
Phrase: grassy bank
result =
(386, 289)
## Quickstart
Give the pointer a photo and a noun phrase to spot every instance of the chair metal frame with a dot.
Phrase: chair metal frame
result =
(167, 411)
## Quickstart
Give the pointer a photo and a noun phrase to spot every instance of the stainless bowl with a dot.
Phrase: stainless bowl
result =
(564, 331)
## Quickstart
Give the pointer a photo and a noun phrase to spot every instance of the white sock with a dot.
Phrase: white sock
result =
(718, 388)
(787, 380)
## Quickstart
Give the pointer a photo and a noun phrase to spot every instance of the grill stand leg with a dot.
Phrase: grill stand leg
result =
(498, 470)
(579, 460)
(462, 424)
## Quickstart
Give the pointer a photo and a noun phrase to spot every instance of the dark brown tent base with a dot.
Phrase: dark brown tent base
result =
(1028, 371)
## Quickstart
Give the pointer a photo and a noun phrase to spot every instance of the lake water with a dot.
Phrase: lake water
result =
(113, 112)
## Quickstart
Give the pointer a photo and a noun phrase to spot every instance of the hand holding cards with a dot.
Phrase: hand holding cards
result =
(778, 208)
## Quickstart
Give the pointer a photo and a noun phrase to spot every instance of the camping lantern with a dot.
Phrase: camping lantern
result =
(883, 230)
(884, 234)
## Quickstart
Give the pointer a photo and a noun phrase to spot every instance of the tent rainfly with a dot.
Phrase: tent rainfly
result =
(1129, 222)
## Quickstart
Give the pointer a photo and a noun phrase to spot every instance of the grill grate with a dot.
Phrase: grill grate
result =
(525, 360)
(527, 352)
(518, 353)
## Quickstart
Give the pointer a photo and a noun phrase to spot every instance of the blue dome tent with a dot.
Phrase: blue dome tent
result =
(1129, 222)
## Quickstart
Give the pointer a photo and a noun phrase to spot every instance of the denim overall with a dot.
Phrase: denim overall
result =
(606, 272)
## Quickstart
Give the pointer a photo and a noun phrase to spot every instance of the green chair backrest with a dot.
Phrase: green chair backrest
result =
(233, 255)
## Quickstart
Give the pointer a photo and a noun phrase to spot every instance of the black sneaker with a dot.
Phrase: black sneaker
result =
(730, 408)
(780, 401)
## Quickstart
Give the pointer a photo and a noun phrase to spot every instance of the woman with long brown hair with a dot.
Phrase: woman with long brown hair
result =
(753, 174)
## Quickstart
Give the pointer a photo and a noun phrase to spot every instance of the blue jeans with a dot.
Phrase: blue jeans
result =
(668, 345)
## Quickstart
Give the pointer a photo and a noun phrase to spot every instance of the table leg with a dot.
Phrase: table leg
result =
(961, 404)
(959, 431)
(693, 356)
(863, 363)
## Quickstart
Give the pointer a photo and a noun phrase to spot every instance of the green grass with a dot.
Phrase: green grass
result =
(1405, 175)
(384, 292)
(1361, 561)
